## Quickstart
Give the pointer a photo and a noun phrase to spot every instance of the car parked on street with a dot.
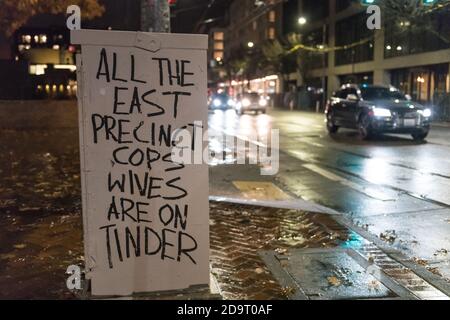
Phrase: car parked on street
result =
(376, 110)
(251, 101)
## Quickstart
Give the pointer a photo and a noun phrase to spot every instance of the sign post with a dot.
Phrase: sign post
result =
(145, 215)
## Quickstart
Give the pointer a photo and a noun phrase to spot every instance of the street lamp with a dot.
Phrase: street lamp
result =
(302, 21)
(250, 44)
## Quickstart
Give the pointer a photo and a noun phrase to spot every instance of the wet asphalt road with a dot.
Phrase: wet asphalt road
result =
(392, 186)
(396, 188)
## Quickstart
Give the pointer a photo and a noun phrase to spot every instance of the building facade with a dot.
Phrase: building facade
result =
(50, 60)
(251, 24)
(404, 55)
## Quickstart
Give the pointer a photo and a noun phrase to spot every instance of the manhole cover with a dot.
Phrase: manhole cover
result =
(332, 274)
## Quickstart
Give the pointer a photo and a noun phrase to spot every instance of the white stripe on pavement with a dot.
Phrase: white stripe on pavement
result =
(333, 177)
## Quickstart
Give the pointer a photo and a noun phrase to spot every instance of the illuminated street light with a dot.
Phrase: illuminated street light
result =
(302, 21)
(250, 44)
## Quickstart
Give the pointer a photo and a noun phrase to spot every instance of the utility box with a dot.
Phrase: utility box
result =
(143, 124)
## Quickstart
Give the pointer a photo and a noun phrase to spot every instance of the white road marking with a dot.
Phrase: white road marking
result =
(334, 177)
(311, 143)
(241, 137)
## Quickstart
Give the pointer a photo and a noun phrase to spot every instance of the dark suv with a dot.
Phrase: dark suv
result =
(375, 110)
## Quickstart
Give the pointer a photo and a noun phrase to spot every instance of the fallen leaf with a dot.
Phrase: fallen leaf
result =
(288, 291)
(259, 270)
(435, 271)
(421, 262)
(284, 263)
(334, 281)
(442, 252)
(281, 251)
(374, 285)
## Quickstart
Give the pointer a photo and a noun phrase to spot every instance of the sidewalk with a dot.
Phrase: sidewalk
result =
(441, 124)
(252, 250)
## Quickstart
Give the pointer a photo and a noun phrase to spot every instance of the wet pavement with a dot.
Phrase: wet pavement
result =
(239, 233)
(394, 188)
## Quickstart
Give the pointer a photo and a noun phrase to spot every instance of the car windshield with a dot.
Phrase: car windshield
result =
(221, 96)
(251, 96)
(380, 93)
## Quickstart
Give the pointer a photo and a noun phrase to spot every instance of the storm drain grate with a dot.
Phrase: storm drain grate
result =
(403, 275)
(333, 274)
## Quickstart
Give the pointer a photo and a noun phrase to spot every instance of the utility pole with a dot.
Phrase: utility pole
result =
(324, 64)
(155, 16)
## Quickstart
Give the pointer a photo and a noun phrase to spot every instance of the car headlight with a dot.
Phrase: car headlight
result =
(246, 103)
(263, 102)
(426, 113)
(230, 103)
(217, 102)
(382, 112)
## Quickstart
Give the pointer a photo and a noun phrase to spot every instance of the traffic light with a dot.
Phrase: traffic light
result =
(172, 3)
(429, 2)
(368, 2)
(372, 2)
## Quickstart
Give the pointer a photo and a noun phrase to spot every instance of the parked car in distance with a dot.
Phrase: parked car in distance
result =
(376, 110)
(251, 102)
(220, 101)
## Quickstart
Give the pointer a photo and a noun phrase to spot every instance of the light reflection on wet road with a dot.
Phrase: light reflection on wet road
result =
(389, 185)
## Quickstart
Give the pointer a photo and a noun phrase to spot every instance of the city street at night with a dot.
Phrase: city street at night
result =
(337, 192)
(224, 158)
(396, 188)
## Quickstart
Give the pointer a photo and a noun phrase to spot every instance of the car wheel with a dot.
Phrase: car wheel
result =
(365, 127)
(420, 135)
(331, 127)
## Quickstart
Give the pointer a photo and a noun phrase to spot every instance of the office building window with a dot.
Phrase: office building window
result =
(424, 84)
(410, 37)
(272, 16)
(353, 31)
(218, 55)
(218, 45)
(218, 36)
(271, 33)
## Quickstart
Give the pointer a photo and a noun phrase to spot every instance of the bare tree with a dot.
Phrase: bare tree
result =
(15, 13)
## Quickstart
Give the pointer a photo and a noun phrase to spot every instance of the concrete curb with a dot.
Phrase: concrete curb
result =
(436, 281)
(441, 124)
(296, 204)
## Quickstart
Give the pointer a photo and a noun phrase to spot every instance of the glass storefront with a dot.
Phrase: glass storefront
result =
(424, 84)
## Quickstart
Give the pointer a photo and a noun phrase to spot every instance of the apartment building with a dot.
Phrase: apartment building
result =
(416, 62)
(251, 24)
